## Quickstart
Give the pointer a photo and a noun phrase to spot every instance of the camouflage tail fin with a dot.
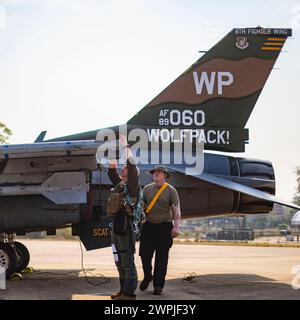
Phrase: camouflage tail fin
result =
(218, 91)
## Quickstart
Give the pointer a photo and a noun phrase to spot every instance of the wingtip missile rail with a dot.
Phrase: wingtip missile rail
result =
(49, 149)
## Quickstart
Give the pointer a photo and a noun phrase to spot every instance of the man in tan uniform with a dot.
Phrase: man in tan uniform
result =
(158, 231)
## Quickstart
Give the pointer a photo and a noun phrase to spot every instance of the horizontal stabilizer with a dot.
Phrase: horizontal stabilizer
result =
(228, 184)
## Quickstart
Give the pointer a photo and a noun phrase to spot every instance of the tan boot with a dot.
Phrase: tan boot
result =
(115, 295)
(126, 297)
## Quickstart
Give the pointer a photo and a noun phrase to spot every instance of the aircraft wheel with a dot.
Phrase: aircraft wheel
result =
(8, 259)
(23, 256)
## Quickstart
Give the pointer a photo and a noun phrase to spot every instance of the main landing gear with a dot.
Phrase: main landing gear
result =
(14, 256)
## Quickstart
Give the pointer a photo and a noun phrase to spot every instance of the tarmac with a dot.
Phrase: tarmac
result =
(197, 272)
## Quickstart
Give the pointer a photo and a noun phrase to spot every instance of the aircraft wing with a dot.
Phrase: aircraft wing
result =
(238, 187)
(55, 170)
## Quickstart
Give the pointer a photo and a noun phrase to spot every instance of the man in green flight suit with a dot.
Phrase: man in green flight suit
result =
(123, 237)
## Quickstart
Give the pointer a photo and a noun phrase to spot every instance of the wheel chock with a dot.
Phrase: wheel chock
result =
(28, 270)
(16, 276)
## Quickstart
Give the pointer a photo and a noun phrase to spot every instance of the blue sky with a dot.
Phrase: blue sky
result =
(75, 65)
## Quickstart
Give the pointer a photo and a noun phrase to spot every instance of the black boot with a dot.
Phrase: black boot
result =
(157, 291)
(145, 284)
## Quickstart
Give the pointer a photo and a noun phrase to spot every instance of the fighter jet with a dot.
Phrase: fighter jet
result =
(57, 183)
